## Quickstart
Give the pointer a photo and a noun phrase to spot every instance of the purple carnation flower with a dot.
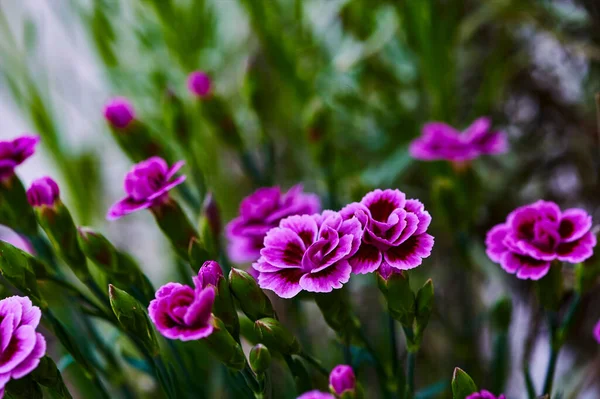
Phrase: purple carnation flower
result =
(308, 252)
(259, 213)
(441, 141)
(14, 152)
(534, 235)
(119, 112)
(342, 379)
(43, 192)
(147, 184)
(199, 84)
(395, 232)
(597, 331)
(182, 312)
(484, 395)
(209, 274)
(21, 347)
(316, 395)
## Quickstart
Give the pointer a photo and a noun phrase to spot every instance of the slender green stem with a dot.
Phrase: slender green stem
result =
(550, 371)
(315, 363)
(393, 345)
(528, 383)
(410, 372)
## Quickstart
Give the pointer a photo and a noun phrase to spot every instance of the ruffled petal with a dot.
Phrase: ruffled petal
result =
(326, 280)
(574, 224)
(285, 283)
(20, 346)
(366, 260)
(126, 206)
(494, 242)
(33, 360)
(410, 253)
(577, 251)
(283, 248)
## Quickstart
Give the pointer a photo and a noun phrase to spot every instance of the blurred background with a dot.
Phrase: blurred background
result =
(329, 93)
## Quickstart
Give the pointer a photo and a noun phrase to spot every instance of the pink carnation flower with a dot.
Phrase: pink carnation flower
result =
(440, 141)
(395, 232)
(597, 331)
(308, 253)
(535, 235)
(484, 395)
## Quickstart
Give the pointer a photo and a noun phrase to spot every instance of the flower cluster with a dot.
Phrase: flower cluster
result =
(147, 184)
(21, 347)
(535, 235)
(182, 312)
(440, 141)
(318, 252)
(259, 213)
(14, 152)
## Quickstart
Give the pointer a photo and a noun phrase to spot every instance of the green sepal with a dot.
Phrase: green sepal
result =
(336, 309)
(224, 347)
(462, 384)
(276, 337)
(61, 231)
(252, 300)
(399, 297)
(423, 308)
(133, 318)
(15, 211)
(549, 289)
(175, 225)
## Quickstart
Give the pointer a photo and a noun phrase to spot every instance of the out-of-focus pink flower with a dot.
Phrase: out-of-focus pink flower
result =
(484, 395)
(440, 141)
(534, 235)
(119, 112)
(43, 192)
(22, 347)
(147, 184)
(182, 312)
(395, 231)
(308, 252)
(597, 331)
(199, 84)
(259, 213)
(15, 152)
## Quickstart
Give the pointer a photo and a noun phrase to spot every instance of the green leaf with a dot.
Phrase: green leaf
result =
(47, 375)
(462, 384)
(400, 299)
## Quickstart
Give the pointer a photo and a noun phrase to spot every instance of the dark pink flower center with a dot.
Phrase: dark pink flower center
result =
(381, 210)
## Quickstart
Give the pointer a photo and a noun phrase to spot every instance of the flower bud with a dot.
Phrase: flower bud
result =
(133, 318)
(122, 270)
(260, 359)
(253, 301)
(199, 84)
(275, 336)
(424, 308)
(462, 384)
(43, 192)
(342, 379)
(223, 346)
(119, 112)
(58, 224)
(211, 274)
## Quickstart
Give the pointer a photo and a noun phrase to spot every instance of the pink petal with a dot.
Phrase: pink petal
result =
(283, 248)
(126, 206)
(174, 169)
(166, 188)
(285, 283)
(494, 242)
(577, 251)
(366, 260)
(574, 224)
(20, 346)
(327, 279)
(410, 253)
(33, 360)
(304, 226)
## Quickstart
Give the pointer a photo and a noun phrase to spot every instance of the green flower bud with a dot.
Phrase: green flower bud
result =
(211, 274)
(424, 305)
(260, 359)
(462, 384)
(224, 347)
(15, 211)
(400, 299)
(273, 334)
(98, 249)
(175, 225)
(252, 300)
(133, 318)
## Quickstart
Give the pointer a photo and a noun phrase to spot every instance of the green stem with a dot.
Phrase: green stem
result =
(393, 345)
(315, 363)
(554, 351)
(410, 372)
